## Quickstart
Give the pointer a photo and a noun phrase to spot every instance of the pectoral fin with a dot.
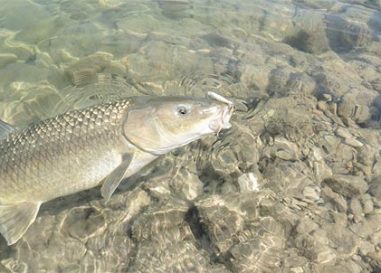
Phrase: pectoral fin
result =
(5, 129)
(114, 179)
(15, 220)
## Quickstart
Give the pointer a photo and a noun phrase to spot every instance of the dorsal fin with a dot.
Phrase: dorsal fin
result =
(5, 129)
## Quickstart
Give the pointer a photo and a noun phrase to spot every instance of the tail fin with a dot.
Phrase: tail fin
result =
(15, 220)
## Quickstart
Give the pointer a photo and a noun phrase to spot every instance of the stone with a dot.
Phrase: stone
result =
(311, 193)
(375, 187)
(325, 256)
(7, 58)
(82, 223)
(255, 77)
(356, 209)
(345, 35)
(337, 200)
(175, 9)
(367, 203)
(310, 35)
(248, 182)
(353, 108)
(347, 185)
(366, 247)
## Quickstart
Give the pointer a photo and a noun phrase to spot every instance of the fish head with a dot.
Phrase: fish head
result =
(159, 125)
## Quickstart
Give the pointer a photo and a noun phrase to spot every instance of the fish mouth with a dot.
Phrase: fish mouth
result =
(223, 115)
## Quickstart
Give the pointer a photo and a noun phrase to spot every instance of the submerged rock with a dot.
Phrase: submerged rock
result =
(347, 185)
(293, 186)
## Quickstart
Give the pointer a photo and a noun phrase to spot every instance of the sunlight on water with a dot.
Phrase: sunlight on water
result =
(293, 186)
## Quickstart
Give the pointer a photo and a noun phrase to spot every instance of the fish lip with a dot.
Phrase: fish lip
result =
(224, 114)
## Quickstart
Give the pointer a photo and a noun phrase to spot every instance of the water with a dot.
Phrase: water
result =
(294, 186)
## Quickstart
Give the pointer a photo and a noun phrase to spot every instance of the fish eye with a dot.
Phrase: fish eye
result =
(182, 110)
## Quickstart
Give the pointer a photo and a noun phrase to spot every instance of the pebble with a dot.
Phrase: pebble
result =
(7, 58)
(367, 203)
(356, 209)
(248, 182)
(375, 187)
(347, 185)
(311, 193)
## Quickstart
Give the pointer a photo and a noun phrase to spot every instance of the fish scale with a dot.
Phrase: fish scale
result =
(62, 149)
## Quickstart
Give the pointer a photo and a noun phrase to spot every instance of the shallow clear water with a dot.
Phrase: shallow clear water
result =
(294, 186)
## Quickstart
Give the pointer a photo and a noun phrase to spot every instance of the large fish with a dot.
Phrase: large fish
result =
(78, 150)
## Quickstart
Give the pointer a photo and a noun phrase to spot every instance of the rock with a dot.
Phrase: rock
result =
(275, 24)
(352, 108)
(159, 220)
(248, 182)
(175, 9)
(85, 70)
(375, 258)
(82, 223)
(188, 183)
(356, 209)
(217, 40)
(344, 241)
(345, 35)
(7, 58)
(310, 33)
(278, 81)
(221, 222)
(375, 187)
(366, 247)
(26, 73)
(255, 77)
(336, 199)
(154, 257)
(315, 246)
(316, 160)
(375, 238)
(347, 185)
(165, 61)
(31, 29)
(325, 256)
(349, 138)
(12, 266)
(306, 225)
(367, 203)
(311, 193)
(267, 253)
(295, 262)
(30, 102)
(285, 190)
(367, 226)
(321, 170)
(285, 149)
(347, 266)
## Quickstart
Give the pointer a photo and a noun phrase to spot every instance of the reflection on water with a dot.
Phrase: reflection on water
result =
(294, 186)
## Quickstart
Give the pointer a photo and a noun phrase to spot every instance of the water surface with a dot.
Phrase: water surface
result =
(294, 186)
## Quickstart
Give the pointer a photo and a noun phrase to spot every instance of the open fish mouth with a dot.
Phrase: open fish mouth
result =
(224, 114)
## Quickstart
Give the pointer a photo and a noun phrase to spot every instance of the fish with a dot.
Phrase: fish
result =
(100, 145)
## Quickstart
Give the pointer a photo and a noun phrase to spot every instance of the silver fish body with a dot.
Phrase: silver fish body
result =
(78, 150)
(63, 155)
